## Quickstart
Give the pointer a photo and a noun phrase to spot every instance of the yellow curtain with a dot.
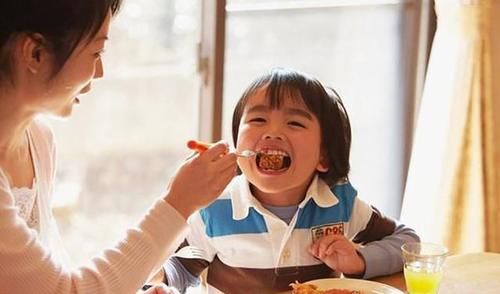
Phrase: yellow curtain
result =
(451, 192)
(491, 124)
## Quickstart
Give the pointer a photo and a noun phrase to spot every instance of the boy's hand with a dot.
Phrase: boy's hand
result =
(339, 254)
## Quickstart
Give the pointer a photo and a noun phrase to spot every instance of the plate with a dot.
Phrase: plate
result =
(369, 287)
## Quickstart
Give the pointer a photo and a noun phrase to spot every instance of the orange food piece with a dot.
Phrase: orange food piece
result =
(299, 288)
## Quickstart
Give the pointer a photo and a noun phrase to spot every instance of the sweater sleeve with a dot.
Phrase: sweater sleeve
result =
(27, 267)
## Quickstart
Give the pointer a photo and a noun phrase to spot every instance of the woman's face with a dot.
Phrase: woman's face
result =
(61, 92)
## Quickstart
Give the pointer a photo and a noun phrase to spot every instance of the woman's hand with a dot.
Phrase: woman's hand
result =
(160, 289)
(201, 179)
(339, 254)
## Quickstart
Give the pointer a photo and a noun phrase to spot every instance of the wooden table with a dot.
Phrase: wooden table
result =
(463, 274)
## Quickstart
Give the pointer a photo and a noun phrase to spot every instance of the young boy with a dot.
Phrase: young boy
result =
(293, 215)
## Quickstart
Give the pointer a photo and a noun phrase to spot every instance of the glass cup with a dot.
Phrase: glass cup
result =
(423, 267)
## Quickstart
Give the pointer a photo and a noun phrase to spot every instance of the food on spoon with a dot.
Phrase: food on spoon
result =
(273, 160)
(270, 161)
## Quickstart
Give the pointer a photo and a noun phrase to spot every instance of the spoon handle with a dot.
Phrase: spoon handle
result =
(198, 146)
(201, 147)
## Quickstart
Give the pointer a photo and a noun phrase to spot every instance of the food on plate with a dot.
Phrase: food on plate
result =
(299, 288)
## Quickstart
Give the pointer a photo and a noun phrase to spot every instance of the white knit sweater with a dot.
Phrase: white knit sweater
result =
(26, 266)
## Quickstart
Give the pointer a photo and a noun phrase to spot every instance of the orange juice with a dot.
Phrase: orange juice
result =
(422, 282)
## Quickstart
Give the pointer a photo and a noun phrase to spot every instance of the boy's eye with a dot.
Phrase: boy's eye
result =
(296, 124)
(257, 119)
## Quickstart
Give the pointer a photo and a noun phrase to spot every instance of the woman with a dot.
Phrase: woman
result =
(49, 54)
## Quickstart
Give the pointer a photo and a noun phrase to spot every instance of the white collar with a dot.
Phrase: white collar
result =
(242, 198)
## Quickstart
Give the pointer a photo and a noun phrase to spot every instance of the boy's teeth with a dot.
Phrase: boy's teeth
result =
(273, 152)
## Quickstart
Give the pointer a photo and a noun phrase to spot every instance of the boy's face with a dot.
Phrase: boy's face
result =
(291, 135)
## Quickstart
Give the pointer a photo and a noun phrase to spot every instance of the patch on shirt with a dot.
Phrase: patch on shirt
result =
(328, 229)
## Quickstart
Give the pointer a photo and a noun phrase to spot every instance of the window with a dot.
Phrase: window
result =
(366, 50)
(127, 136)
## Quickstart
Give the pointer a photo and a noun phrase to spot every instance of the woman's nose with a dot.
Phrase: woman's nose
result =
(99, 71)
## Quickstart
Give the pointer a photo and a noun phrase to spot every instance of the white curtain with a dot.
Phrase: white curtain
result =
(444, 196)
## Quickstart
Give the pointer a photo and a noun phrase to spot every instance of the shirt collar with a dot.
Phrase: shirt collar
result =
(242, 198)
(320, 193)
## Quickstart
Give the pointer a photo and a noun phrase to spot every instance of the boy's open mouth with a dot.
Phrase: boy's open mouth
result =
(273, 160)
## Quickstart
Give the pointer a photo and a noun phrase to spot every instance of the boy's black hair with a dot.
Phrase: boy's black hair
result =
(323, 102)
(62, 23)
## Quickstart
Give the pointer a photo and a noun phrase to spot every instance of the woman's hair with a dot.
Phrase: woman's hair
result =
(323, 102)
(62, 23)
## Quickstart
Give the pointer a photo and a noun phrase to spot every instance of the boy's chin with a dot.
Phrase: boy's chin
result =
(269, 187)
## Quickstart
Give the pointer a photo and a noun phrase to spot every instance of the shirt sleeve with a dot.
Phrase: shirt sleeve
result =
(380, 238)
(198, 238)
(182, 272)
(361, 214)
(27, 267)
(178, 276)
(383, 257)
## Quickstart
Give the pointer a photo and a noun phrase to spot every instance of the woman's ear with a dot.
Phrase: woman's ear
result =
(33, 52)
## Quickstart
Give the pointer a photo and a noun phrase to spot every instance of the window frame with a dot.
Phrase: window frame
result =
(421, 26)
(211, 69)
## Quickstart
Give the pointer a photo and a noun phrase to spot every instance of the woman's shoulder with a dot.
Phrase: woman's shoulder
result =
(41, 133)
(41, 127)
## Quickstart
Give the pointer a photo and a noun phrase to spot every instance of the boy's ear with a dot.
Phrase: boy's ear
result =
(33, 52)
(323, 165)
